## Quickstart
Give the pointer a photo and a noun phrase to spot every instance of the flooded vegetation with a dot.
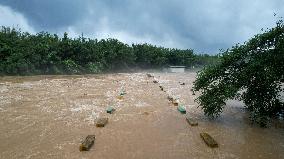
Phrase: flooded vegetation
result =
(49, 116)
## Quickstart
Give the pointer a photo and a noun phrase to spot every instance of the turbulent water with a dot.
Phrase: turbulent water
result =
(49, 116)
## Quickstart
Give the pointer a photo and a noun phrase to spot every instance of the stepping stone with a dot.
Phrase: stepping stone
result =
(87, 143)
(120, 97)
(191, 121)
(145, 113)
(170, 98)
(208, 140)
(102, 122)
(155, 81)
(175, 102)
(110, 110)
(122, 93)
(181, 109)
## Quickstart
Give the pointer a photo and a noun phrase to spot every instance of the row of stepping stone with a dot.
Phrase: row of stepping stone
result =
(205, 136)
(101, 122)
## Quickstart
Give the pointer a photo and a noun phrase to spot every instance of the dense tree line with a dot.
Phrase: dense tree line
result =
(252, 72)
(22, 53)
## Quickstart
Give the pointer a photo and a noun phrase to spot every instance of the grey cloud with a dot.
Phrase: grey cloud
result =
(49, 14)
(204, 25)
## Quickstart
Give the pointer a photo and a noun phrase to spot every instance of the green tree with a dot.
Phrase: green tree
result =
(22, 53)
(252, 72)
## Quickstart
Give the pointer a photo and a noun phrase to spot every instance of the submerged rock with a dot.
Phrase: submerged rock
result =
(149, 75)
(162, 88)
(191, 121)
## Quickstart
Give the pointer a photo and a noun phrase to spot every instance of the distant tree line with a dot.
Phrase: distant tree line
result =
(22, 53)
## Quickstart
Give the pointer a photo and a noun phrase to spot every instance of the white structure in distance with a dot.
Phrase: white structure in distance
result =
(176, 69)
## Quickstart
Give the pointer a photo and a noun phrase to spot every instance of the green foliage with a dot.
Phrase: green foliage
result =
(70, 67)
(94, 67)
(25, 54)
(252, 72)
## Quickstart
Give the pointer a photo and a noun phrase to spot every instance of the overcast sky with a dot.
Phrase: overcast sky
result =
(203, 25)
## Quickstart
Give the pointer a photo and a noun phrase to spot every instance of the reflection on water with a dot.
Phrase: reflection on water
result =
(48, 116)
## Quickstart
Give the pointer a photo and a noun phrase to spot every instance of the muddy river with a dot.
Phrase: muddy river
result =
(49, 116)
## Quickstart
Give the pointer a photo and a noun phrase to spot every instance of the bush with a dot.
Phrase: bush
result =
(71, 67)
(94, 67)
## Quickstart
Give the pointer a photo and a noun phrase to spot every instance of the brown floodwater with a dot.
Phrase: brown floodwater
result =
(49, 116)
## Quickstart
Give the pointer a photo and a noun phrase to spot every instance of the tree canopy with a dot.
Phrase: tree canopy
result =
(22, 53)
(252, 72)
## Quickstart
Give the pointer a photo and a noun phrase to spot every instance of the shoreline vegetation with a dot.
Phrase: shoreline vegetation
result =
(22, 53)
(251, 72)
